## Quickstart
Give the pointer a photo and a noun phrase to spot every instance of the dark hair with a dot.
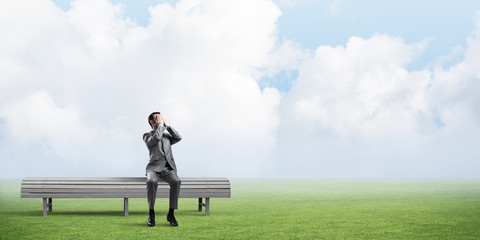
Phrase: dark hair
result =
(150, 117)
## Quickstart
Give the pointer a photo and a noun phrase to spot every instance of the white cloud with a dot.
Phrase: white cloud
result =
(195, 62)
(77, 87)
(360, 113)
(287, 56)
(454, 90)
(363, 87)
(38, 118)
(37, 123)
(101, 24)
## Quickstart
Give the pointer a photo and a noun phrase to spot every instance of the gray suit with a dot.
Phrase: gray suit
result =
(162, 165)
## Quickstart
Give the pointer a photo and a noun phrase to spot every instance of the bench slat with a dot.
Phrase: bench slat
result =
(119, 191)
(32, 185)
(138, 186)
(120, 179)
(127, 195)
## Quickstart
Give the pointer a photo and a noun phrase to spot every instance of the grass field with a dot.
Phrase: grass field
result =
(264, 209)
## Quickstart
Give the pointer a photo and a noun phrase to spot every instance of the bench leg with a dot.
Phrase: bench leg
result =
(44, 207)
(207, 206)
(125, 206)
(47, 206)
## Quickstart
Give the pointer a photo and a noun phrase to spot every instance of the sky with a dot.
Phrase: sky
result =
(256, 88)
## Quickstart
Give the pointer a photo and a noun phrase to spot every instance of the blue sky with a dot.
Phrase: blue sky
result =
(337, 89)
(444, 23)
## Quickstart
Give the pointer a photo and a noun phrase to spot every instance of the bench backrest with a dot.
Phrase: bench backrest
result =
(125, 187)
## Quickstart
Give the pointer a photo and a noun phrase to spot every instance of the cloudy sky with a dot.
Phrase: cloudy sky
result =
(258, 89)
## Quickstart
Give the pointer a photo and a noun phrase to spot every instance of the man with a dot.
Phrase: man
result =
(161, 165)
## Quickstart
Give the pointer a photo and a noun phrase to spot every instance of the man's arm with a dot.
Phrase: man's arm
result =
(152, 139)
(175, 135)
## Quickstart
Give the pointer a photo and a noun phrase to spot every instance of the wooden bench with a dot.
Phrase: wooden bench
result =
(120, 187)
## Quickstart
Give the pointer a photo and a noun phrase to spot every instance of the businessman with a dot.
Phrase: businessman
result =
(161, 165)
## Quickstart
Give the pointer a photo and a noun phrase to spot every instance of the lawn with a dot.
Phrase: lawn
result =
(264, 209)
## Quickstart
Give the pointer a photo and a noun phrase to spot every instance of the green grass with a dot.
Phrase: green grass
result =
(264, 209)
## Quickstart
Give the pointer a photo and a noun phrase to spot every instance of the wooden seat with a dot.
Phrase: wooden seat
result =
(121, 187)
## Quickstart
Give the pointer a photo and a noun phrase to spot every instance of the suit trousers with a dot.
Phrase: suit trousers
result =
(169, 176)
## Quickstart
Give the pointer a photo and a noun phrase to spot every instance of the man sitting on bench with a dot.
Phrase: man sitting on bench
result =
(161, 165)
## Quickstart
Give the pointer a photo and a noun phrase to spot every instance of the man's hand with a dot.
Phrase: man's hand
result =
(158, 120)
(164, 121)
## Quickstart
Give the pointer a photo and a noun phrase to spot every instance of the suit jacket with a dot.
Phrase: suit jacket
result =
(159, 145)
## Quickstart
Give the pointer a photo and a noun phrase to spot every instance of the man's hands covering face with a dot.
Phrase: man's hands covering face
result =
(159, 120)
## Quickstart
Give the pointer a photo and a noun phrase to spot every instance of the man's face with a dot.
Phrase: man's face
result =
(156, 118)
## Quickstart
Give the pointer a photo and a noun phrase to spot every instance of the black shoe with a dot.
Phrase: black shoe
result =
(151, 218)
(172, 220)
(151, 223)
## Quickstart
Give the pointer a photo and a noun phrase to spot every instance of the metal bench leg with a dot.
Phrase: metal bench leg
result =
(44, 207)
(207, 206)
(199, 204)
(125, 206)
(50, 204)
